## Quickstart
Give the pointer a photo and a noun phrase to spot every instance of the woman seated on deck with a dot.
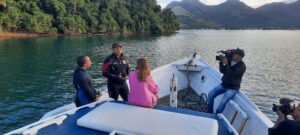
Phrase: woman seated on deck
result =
(143, 90)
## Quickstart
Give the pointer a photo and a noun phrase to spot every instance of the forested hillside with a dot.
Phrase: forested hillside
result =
(235, 14)
(85, 16)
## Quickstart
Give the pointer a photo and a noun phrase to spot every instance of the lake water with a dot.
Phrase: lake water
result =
(36, 73)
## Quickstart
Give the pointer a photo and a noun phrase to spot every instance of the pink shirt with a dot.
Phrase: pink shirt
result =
(142, 93)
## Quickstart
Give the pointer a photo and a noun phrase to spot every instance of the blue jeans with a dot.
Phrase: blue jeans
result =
(229, 94)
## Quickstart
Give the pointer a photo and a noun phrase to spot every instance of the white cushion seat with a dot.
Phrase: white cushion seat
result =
(145, 121)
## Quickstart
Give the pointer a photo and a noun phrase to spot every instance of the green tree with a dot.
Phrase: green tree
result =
(73, 24)
(10, 22)
(41, 22)
(170, 24)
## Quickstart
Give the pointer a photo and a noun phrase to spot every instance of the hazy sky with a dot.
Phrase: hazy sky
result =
(252, 3)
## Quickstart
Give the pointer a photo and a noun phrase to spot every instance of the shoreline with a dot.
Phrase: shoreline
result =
(4, 35)
(8, 35)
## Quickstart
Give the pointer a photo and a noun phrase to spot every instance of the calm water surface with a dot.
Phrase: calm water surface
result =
(36, 73)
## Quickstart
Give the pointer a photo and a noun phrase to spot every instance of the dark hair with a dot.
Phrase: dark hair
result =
(81, 61)
(240, 52)
(116, 44)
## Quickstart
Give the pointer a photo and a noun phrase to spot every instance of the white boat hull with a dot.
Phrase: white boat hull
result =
(203, 78)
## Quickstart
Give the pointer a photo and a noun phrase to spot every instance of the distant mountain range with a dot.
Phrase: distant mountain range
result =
(234, 14)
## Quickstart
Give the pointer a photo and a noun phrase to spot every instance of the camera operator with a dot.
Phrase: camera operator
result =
(233, 68)
(283, 125)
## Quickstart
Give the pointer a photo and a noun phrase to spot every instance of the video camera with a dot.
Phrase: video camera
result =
(228, 54)
(286, 106)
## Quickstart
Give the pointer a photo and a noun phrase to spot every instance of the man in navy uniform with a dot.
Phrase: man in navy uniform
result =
(85, 91)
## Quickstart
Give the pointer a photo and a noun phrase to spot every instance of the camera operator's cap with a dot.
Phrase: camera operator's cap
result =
(116, 45)
(240, 52)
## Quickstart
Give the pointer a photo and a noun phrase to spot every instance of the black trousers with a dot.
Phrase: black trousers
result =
(114, 90)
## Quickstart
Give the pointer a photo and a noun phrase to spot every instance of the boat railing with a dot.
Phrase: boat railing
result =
(34, 130)
(229, 126)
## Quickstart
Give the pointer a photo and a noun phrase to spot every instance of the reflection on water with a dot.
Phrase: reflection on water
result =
(36, 73)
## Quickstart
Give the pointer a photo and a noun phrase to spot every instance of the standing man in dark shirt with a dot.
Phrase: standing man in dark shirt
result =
(285, 126)
(233, 72)
(85, 91)
(116, 68)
